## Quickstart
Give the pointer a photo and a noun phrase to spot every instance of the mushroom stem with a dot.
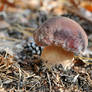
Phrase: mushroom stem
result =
(57, 55)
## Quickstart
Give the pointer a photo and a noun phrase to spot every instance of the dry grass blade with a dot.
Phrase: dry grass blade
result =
(24, 30)
(86, 60)
(10, 39)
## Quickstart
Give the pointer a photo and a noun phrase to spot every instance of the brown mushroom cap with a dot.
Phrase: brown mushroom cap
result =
(64, 32)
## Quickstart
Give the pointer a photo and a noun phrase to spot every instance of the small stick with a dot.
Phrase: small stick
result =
(49, 82)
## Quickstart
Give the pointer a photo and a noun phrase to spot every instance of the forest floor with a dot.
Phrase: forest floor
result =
(21, 68)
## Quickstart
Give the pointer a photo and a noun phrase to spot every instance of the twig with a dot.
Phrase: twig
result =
(22, 29)
(49, 82)
(34, 85)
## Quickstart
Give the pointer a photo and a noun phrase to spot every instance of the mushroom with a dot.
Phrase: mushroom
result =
(62, 38)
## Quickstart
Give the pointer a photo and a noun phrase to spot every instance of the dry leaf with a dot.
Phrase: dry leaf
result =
(87, 5)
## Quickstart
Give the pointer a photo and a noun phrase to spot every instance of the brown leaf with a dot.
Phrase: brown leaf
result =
(87, 5)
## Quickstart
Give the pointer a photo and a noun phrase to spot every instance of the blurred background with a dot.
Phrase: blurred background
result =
(32, 13)
(19, 18)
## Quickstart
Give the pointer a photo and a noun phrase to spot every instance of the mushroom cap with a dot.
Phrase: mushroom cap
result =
(64, 32)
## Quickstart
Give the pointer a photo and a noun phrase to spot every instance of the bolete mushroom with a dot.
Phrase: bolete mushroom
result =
(62, 38)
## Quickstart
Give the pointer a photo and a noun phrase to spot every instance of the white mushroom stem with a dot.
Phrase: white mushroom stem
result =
(57, 55)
